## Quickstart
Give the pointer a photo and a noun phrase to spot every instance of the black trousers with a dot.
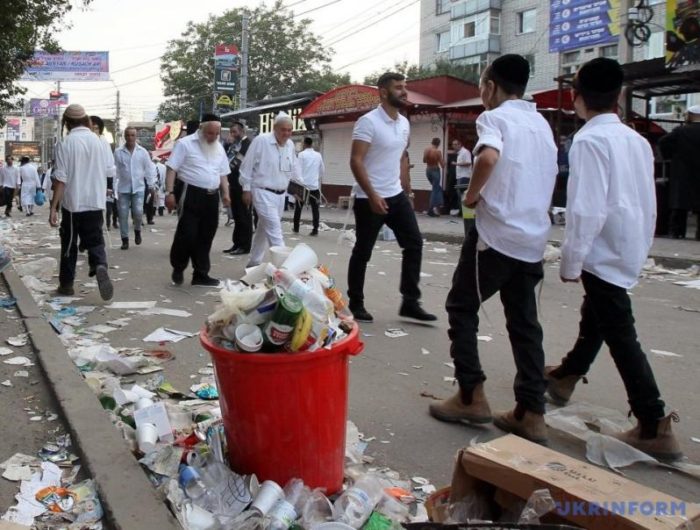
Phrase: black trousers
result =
(242, 218)
(314, 198)
(196, 228)
(149, 205)
(402, 220)
(9, 194)
(679, 222)
(85, 227)
(606, 316)
(112, 213)
(515, 281)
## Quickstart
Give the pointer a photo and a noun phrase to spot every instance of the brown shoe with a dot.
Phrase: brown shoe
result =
(664, 446)
(524, 423)
(455, 410)
(560, 389)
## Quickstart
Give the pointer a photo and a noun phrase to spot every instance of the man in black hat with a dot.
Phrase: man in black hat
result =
(201, 164)
(503, 253)
(242, 218)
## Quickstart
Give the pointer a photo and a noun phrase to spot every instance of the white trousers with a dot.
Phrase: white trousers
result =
(270, 208)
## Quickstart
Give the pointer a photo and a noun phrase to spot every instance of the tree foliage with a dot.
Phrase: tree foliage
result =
(284, 56)
(414, 71)
(25, 26)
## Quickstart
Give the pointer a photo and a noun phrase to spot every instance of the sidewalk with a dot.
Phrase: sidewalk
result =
(676, 253)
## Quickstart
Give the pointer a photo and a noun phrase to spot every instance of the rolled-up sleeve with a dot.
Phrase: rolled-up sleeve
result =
(59, 171)
(489, 133)
(110, 167)
(177, 157)
(586, 210)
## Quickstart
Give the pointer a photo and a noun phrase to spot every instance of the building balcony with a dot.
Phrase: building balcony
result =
(490, 44)
(469, 7)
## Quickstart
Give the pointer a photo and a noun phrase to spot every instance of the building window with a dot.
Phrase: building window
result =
(655, 46)
(443, 41)
(570, 57)
(476, 65)
(527, 21)
(569, 69)
(469, 29)
(609, 51)
(495, 28)
(530, 58)
(442, 7)
(475, 27)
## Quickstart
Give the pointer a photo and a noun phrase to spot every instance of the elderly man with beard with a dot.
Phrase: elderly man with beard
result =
(270, 163)
(201, 164)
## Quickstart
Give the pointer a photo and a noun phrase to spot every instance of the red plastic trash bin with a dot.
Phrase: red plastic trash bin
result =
(285, 413)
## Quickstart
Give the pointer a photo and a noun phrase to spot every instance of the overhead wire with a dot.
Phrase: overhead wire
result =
(355, 32)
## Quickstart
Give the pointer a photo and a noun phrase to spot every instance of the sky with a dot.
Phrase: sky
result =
(136, 32)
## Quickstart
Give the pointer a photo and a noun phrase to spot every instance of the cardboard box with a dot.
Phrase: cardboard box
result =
(586, 495)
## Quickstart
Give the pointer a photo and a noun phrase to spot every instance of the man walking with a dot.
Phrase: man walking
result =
(136, 176)
(463, 163)
(242, 217)
(504, 252)
(9, 174)
(30, 183)
(112, 212)
(378, 162)
(434, 162)
(201, 165)
(680, 146)
(312, 171)
(269, 165)
(81, 171)
(610, 220)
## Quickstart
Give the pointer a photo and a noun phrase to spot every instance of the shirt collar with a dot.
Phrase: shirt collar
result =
(383, 114)
(81, 129)
(602, 119)
(519, 104)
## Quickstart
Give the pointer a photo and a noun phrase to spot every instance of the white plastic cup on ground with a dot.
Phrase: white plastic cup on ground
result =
(147, 437)
(248, 338)
(142, 403)
(268, 495)
(279, 254)
(301, 259)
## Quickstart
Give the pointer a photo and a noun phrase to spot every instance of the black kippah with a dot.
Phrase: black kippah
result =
(600, 75)
(210, 117)
(511, 68)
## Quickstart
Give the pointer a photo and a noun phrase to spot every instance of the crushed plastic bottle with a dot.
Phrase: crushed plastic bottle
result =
(342, 310)
(288, 509)
(196, 489)
(355, 505)
(317, 509)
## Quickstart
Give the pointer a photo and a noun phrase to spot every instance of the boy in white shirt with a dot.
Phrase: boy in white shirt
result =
(511, 187)
(610, 220)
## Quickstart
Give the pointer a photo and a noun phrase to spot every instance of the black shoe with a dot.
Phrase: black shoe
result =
(239, 252)
(65, 290)
(360, 314)
(137, 237)
(230, 250)
(104, 284)
(177, 277)
(115, 224)
(108, 227)
(7, 214)
(314, 232)
(91, 273)
(414, 310)
(151, 222)
(205, 281)
(295, 230)
(125, 243)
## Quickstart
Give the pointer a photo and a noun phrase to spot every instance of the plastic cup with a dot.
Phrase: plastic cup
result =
(147, 437)
(302, 258)
(142, 403)
(255, 274)
(268, 494)
(249, 338)
(278, 255)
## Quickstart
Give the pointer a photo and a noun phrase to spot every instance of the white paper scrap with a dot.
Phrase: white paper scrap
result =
(394, 333)
(666, 353)
(132, 305)
(5, 351)
(485, 338)
(20, 360)
(168, 335)
(166, 311)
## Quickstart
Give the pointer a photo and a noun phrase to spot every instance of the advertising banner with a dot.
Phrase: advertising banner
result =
(683, 34)
(19, 149)
(225, 80)
(577, 24)
(68, 66)
(226, 56)
(44, 107)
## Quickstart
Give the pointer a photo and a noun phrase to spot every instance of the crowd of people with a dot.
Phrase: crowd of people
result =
(509, 181)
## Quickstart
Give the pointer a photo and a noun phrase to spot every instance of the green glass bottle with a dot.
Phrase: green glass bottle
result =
(281, 325)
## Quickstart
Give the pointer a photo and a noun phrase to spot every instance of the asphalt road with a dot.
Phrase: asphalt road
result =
(388, 378)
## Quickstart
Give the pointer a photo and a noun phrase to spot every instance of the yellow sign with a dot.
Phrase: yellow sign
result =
(224, 101)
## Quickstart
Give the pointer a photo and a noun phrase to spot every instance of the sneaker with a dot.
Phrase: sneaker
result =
(177, 277)
(360, 314)
(205, 281)
(414, 310)
(455, 410)
(65, 290)
(5, 259)
(104, 284)
(664, 446)
(137, 237)
(523, 423)
(125, 243)
(560, 389)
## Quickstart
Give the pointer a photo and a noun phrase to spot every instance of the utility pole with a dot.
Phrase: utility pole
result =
(59, 130)
(625, 53)
(244, 62)
(117, 122)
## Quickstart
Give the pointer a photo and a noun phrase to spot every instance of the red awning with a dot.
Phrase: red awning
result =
(549, 99)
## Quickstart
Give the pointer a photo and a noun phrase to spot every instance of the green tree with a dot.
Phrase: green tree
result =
(284, 56)
(26, 25)
(441, 67)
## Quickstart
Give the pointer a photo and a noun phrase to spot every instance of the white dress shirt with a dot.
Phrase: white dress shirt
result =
(312, 168)
(132, 169)
(611, 203)
(388, 139)
(269, 165)
(463, 172)
(83, 164)
(512, 215)
(10, 176)
(194, 167)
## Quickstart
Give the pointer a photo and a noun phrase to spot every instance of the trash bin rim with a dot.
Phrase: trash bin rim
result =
(350, 345)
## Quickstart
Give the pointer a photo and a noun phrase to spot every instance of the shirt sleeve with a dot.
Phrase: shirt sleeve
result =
(586, 206)
(248, 165)
(150, 170)
(363, 130)
(59, 171)
(224, 168)
(489, 132)
(109, 160)
(177, 157)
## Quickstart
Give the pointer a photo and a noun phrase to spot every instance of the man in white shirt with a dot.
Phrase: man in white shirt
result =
(312, 170)
(270, 163)
(81, 171)
(111, 211)
(29, 177)
(201, 165)
(379, 162)
(135, 173)
(463, 163)
(503, 253)
(9, 174)
(610, 220)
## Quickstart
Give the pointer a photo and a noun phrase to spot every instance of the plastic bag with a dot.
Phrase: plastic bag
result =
(539, 503)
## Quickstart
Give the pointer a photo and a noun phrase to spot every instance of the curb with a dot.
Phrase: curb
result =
(128, 499)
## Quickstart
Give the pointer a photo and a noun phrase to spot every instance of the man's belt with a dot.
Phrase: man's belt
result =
(277, 192)
(212, 191)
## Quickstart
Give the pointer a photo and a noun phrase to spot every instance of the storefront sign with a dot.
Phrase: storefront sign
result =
(44, 107)
(19, 149)
(577, 24)
(683, 34)
(267, 120)
(68, 66)
(344, 100)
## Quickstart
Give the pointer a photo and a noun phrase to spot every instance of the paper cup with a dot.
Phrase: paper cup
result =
(249, 338)
(301, 259)
(147, 436)
(255, 274)
(142, 403)
(268, 494)
(278, 255)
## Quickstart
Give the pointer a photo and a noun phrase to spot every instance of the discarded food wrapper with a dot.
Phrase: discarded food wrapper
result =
(394, 333)
(19, 340)
(56, 499)
(168, 335)
(20, 360)
(205, 391)
(7, 302)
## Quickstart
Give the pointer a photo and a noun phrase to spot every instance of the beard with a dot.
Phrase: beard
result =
(396, 101)
(210, 150)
